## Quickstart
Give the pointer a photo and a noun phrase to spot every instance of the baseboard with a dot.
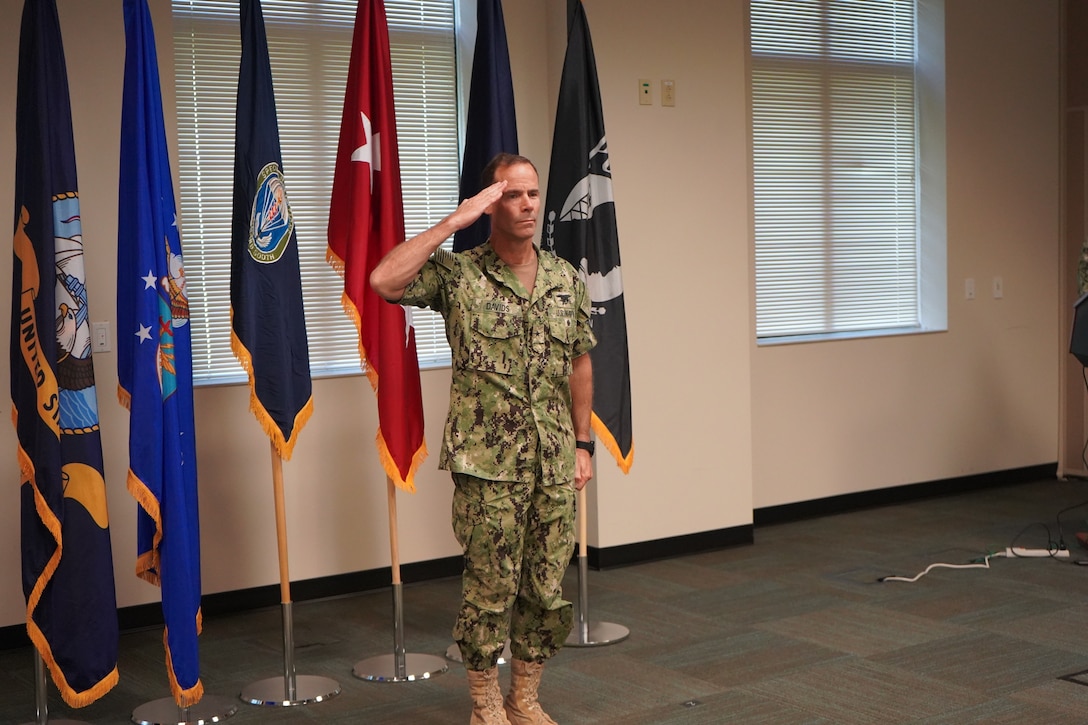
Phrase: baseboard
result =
(150, 615)
(141, 616)
(901, 494)
(643, 551)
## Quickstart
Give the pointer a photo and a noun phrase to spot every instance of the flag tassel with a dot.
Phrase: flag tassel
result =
(67, 692)
(407, 483)
(604, 435)
(389, 463)
(184, 697)
(147, 563)
(283, 446)
(41, 644)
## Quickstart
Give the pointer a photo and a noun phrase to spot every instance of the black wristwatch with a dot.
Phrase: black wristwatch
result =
(590, 446)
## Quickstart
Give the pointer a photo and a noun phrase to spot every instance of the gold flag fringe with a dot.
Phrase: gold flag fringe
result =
(148, 569)
(184, 697)
(284, 447)
(70, 696)
(124, 398)
(67, 693)
(147, 563)
(407, 483)
(333, 260)
(609, 442)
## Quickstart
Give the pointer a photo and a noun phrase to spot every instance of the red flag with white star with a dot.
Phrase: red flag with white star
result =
(366, 220)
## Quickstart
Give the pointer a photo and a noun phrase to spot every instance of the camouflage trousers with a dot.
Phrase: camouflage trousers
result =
(518, 539)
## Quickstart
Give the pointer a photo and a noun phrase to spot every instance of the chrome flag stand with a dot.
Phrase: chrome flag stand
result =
(167, 712)
(586, 633)
(397, 667)
(291, 689)
(41, 696)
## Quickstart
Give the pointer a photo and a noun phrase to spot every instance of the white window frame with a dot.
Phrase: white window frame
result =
(792, 303)
(309, 47)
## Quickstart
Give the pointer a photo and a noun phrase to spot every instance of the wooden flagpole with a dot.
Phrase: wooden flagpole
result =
(281, 525)
(399, 667)
(394, 547)
(291, 689)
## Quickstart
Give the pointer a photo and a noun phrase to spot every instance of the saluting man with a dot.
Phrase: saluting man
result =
(517, 437)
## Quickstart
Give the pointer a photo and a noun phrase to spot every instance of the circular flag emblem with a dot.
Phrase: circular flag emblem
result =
(271, 223)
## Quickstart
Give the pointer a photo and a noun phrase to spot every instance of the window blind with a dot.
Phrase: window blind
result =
(834, 153)
(309, 43)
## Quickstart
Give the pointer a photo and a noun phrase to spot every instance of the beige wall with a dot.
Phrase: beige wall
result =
(832, 418)
(680, 179)
(721, 426)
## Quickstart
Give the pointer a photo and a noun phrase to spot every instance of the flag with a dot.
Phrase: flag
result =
(268, 326)
(67, 561)
(154, 360)
(580, 226)
(366, 220)
(491, 127)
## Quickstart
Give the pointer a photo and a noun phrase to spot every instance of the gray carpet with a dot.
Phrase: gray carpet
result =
(795, 629)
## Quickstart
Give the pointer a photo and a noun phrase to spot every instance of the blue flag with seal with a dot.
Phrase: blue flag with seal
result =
(580, 227)
(491, 127)
(67, 561)
(268, 326)
(154, 360)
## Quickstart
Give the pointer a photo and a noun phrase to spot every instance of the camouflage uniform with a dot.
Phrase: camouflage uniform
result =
(509, 443)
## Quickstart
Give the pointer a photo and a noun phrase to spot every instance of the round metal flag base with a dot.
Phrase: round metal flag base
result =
(453, 653)
(165, 711)
(383, 668)
(597, 634)
(272, 692)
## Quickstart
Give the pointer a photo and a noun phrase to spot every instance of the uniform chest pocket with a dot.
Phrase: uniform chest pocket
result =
(561, 333)
(494, 344)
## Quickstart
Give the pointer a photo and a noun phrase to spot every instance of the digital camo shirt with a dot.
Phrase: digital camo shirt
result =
(510, 401)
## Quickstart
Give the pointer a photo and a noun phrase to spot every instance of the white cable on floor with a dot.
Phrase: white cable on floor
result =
(984, 565)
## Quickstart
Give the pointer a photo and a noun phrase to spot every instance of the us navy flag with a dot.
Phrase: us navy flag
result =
(491, 126)
(268, 327)
(580, 226)
(66, 555)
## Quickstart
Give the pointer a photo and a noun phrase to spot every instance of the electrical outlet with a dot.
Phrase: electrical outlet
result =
(1014, 552)
(668, 93)
(100, 337)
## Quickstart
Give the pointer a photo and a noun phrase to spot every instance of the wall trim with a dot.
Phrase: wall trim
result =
(142, 616)
(901, 494)
(643, 551)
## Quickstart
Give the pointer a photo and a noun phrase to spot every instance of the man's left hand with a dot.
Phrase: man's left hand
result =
(583, 469)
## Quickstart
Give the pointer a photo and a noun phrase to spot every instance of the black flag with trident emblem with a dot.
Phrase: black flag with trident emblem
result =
(580, 226)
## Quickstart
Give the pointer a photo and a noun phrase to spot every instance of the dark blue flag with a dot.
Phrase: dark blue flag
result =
(66, 556)
(580, 227)
(491, 126)
(268, 327)
(154, 360)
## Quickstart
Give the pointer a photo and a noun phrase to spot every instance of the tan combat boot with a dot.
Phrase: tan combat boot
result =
(521, 704)
(483, 685)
